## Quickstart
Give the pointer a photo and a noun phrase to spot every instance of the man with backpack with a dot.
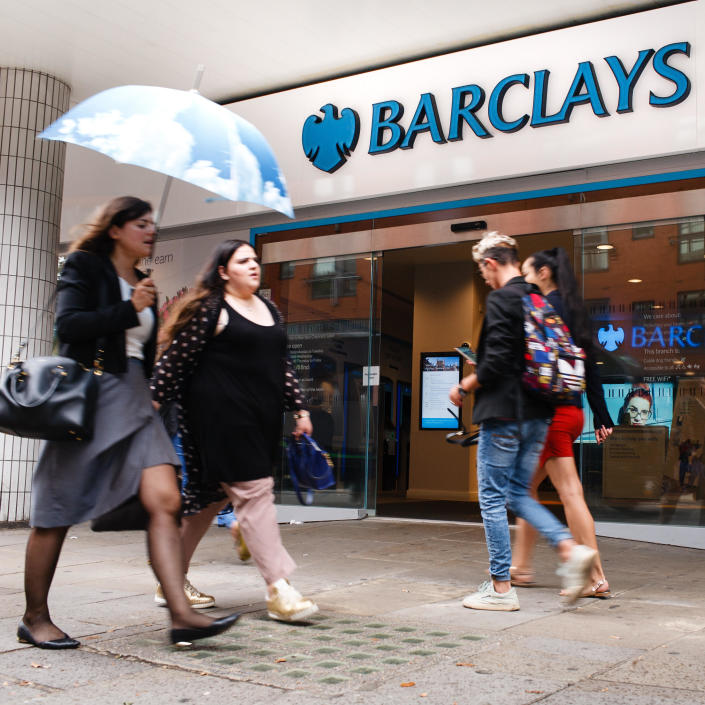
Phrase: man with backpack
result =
(513, 426)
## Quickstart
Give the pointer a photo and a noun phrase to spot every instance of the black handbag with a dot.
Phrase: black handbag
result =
(53, 398)
(129, 516)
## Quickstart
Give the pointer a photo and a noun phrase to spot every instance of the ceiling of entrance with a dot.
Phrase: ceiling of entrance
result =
(249, 48)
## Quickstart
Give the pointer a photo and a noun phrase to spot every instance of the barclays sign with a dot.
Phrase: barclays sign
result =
(328, 141)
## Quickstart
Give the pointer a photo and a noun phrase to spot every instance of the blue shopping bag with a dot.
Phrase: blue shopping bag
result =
(310, 467)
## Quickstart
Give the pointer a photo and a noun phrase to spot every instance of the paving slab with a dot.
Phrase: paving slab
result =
(390, 596)
(599, 692)
(678, 664)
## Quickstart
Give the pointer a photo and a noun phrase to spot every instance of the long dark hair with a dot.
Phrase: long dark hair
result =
(209, 284)
(96, 234)
(558, 263)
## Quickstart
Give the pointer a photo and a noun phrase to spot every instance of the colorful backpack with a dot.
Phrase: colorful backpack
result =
(554, 365)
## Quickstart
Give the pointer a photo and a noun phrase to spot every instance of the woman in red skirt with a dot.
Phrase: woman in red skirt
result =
(551, 272)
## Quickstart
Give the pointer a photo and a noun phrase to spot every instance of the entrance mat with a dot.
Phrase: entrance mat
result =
(330, 651)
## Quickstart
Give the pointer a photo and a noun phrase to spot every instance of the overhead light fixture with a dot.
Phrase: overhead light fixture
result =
(605, 246)
(657, 306)
(634, 281)
(599, 362)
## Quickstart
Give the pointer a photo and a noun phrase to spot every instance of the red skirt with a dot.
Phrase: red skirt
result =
(566, 426)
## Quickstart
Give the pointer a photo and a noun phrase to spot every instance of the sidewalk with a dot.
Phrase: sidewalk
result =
(389, 593)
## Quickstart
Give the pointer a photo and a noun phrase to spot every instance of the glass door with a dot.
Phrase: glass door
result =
(332, 318)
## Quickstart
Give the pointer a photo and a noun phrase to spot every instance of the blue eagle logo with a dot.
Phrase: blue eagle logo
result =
(328, 141)
(609, 338)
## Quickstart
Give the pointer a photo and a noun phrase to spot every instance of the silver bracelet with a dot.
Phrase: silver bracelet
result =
(303, 414)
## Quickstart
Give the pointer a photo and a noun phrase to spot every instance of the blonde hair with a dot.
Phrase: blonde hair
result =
(490, 243)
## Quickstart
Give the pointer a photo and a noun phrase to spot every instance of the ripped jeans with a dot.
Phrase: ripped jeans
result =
(507, 455)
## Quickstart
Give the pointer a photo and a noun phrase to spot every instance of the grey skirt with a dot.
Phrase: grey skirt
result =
(78, 481)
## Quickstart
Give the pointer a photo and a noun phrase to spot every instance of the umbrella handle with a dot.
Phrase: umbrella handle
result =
(162, 202)
(200, 70)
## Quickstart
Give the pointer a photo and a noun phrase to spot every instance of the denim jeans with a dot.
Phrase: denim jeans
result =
(507, 455)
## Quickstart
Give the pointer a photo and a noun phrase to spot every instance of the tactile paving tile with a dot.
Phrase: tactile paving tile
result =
(327, 651)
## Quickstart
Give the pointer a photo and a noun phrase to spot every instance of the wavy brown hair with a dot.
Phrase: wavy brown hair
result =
(96, 234)
(209, 284)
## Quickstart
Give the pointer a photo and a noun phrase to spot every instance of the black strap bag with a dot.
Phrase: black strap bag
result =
(53, 398)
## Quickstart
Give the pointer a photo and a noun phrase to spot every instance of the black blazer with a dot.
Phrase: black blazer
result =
(500, 360)
(90, 306)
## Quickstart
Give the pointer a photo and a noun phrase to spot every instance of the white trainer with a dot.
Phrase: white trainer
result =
(576, 571)
(286, 603)
(487, 598)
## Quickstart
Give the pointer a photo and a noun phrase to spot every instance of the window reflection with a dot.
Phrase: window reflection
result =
(650, 340)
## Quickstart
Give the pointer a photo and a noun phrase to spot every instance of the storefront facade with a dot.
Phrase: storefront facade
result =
(586, 138)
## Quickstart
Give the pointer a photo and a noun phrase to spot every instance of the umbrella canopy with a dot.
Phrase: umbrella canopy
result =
(181, 134)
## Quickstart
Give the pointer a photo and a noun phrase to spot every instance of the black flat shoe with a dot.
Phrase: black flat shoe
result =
(184, 637)
(24, 636)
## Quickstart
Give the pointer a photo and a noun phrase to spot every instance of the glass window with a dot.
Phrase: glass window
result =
(594, 259)
(334, 278)
(691, 242)
(329, 347)
(642, 232)
(649, 343)
(287, 270)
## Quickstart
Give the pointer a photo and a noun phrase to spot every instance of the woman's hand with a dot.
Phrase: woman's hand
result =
(602, 434)
(303, 425)
(144, 294)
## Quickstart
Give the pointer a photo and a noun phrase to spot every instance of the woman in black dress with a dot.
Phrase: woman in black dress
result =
(105, 301)
(227, 369)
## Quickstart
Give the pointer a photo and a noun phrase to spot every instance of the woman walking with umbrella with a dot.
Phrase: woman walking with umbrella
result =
(104, 302)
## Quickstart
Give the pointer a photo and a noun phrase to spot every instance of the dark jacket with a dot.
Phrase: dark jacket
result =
(89, 307)
(500, 360)
(593, 384)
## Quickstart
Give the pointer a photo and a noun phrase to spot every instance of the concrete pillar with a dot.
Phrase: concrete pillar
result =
(31, 185)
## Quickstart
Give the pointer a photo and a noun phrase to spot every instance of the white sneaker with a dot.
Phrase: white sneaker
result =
(487, 598)
(286, 603)
(576, 571)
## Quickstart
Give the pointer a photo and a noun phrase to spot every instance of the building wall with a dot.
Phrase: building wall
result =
(445, 314)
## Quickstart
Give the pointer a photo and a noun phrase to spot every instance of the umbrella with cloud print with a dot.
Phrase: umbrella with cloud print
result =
(181, 134)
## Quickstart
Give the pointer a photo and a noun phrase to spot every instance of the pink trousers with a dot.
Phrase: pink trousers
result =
(253, 502)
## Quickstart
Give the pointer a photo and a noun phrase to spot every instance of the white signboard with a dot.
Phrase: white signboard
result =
(610, 91)
(370, 376)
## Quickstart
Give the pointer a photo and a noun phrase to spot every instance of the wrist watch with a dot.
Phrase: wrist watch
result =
(303, 414)
(462, 392)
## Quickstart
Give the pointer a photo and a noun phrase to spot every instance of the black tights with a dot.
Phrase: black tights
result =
(159, 494)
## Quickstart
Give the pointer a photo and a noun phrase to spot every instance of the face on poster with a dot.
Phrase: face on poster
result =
(438, 374)
(648, 403)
